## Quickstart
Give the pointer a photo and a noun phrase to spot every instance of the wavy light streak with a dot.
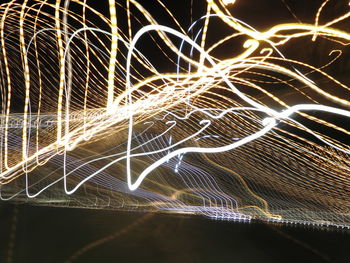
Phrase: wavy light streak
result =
(125, 112)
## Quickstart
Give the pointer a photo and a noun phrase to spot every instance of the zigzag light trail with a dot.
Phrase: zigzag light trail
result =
(89, 118)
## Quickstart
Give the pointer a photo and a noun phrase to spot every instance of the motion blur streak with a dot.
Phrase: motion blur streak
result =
(137, 109)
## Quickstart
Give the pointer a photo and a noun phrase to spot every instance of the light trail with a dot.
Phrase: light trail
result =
(92, 113)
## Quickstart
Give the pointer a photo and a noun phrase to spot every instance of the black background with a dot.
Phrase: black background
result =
(45, 234)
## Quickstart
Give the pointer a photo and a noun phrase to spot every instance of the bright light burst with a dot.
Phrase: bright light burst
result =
(126, 112)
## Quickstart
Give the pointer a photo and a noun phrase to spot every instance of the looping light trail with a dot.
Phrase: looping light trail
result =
(133, 110)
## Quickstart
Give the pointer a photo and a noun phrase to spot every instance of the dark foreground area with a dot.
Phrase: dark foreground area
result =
(45, 234)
